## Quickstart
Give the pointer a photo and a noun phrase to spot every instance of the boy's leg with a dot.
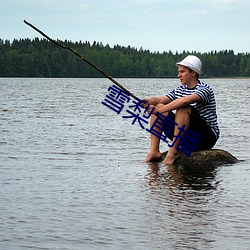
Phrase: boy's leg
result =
(154, 152)
(199, 126)
(181, 118)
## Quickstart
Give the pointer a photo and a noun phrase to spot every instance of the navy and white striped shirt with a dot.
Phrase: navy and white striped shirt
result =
(206, 108)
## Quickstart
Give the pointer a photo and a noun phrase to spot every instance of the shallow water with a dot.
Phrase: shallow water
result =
(72, 175)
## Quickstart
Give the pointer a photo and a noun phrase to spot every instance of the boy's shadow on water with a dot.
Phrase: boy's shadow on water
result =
(184, 177)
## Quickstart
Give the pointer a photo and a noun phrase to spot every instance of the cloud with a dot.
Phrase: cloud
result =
(83, 6)
(152, 24)
(149, 2)
(222, 2)
(225, 5)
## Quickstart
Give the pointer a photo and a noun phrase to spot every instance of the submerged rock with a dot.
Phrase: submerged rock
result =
(205, 157)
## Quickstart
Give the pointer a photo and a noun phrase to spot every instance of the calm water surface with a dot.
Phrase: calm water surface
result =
(72, 176)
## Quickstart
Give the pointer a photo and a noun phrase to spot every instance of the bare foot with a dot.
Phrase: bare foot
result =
(170, 157)
(153, 156)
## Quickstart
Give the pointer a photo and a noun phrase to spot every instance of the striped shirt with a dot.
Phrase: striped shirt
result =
(206, 108)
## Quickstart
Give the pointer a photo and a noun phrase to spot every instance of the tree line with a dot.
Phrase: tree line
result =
(40, 58)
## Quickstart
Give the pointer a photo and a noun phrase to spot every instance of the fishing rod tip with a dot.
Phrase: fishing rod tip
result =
(26, 22)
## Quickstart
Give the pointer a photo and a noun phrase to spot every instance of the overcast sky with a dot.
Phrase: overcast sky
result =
(157, 25)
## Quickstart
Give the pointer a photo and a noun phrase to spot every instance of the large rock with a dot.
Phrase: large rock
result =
(213, 157)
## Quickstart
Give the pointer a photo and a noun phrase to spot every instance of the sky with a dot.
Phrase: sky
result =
(155, 25)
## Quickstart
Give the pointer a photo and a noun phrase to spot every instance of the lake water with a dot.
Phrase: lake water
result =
(72, 174)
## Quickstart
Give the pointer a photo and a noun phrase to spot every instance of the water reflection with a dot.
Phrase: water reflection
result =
(183, 177)
(183, 198)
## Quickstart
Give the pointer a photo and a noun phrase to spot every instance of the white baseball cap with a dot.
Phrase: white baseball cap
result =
(191, 62)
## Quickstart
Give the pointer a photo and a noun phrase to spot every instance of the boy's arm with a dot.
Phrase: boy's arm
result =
(155, 100)
(179, 103)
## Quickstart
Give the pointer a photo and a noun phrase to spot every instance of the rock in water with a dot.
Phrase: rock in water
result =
(206, 157)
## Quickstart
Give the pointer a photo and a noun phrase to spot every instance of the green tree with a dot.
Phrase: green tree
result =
(247, 69)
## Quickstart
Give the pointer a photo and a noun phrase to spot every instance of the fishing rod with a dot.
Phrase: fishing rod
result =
(83, 58)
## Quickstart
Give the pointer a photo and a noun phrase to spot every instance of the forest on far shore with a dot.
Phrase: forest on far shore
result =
(41, 58)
